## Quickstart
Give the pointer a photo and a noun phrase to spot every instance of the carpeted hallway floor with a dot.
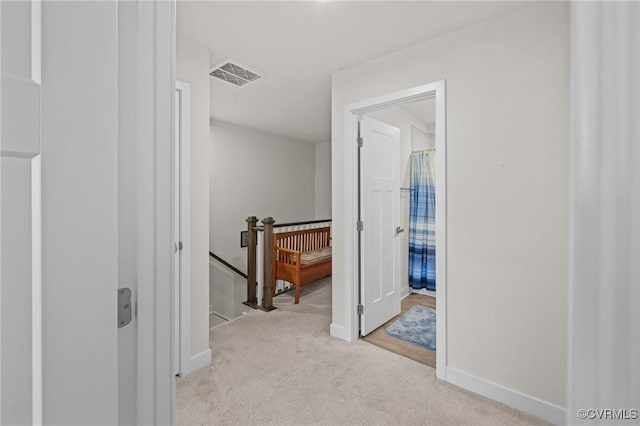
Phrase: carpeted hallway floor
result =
(283, 368)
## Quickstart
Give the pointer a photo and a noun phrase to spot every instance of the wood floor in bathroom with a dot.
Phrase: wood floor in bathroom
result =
(380, 338)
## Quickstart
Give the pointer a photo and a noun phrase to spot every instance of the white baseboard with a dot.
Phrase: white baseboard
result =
(198, 361)
(339, 332)
(513, 398)
(404, 292)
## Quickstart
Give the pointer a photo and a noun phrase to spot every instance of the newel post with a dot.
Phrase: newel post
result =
(252, 241)
(267, 294)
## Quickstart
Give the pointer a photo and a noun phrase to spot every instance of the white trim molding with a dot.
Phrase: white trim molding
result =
(198, 361)
(350, 330)
(404, 292)
(338, 331)
(155, 73)
(183, 316)
(604, 247)
(513, 398)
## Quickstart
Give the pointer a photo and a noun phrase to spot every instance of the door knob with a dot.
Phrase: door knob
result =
(399, 230)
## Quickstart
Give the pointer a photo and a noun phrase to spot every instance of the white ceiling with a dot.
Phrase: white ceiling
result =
(297, 46)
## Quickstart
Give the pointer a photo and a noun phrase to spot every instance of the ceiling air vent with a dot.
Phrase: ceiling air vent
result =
(233, 73)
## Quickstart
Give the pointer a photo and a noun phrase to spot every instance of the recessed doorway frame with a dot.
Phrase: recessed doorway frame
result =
(182, 230)
(352, 115)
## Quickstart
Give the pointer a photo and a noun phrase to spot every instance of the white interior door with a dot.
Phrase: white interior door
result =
(20, 289)
(93, 107)
(380, 216)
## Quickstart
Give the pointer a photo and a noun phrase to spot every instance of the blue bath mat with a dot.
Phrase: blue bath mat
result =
(417, 326)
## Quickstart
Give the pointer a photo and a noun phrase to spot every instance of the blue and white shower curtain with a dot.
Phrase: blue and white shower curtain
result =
(422, 222)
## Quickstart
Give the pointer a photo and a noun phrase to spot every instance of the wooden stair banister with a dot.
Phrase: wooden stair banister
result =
(265, 265)
(267, 294)
(252, 242)
(227, 264)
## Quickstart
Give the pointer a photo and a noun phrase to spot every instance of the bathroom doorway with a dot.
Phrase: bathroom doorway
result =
(428, 136)
(412, 331)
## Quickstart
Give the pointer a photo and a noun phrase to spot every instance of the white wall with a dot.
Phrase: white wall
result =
(507, 177)
(403, 120)
(323, 180)
(253, 173)
(193, 67)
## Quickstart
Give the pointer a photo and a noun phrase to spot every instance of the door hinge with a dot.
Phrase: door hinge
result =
(360, 141)
(124, 307)
(180, 246)
(177, 247)
(360, 309)
(360, 226)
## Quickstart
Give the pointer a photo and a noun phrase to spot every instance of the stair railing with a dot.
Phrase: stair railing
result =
(260, 259)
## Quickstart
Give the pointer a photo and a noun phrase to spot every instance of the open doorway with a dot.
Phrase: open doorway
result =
(182, 230)
(411, 331)
(382, 173)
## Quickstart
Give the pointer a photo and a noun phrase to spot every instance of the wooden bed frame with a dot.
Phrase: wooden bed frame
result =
(287, 249)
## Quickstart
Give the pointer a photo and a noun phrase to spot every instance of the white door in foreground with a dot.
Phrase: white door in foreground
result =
(20, 290)
(380, 207)
(104, 84)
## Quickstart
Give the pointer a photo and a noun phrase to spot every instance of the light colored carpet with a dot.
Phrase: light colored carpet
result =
(283, 368)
